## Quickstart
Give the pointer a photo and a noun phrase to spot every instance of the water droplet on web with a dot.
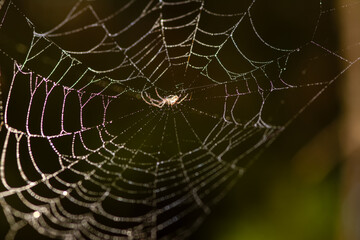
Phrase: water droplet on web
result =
(36, 214)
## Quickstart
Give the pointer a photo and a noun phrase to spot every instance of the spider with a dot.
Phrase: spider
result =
(169, 100)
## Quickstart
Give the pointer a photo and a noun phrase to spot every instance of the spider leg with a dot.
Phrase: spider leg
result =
(155, 104)
(182, 99)
(158, 94)
(152, 100)
(161, 104)
(148, 96)
(142, 95)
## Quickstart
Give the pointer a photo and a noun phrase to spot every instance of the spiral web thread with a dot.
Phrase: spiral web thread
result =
(84, 156)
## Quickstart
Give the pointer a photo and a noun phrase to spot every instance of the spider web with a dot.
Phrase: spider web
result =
(85, 157)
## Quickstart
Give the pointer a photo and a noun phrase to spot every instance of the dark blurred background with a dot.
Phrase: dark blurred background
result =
(296, 189)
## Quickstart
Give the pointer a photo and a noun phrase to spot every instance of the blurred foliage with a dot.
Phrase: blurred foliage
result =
(293, 190)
